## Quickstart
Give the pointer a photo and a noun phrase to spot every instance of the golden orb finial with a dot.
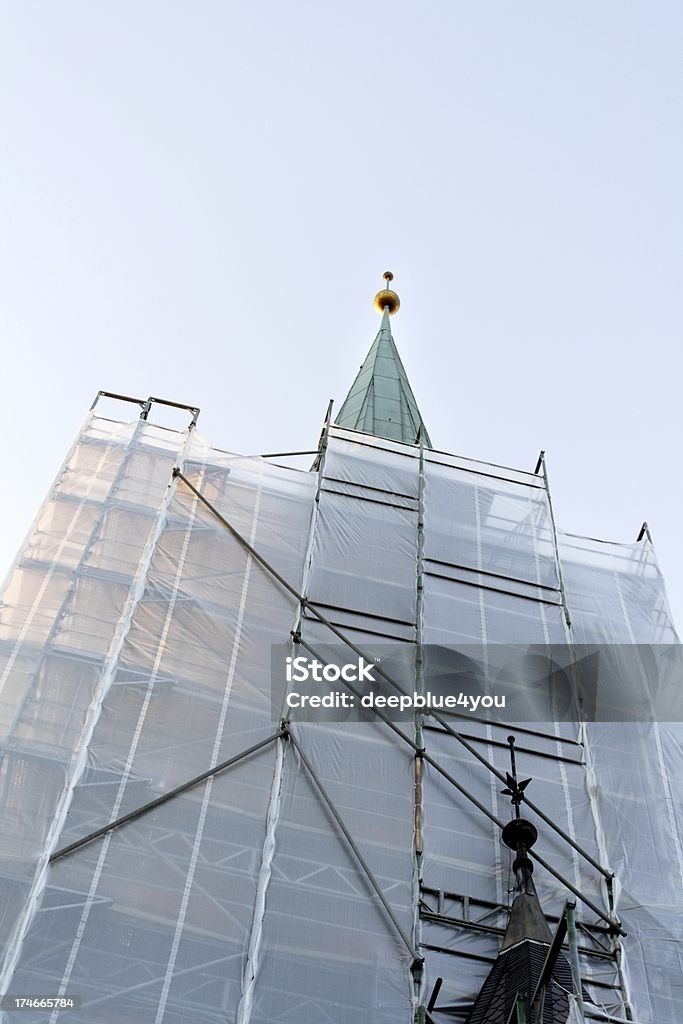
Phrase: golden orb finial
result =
(386, 298)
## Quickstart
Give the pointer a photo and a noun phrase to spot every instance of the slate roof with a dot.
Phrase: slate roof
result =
(518, 967)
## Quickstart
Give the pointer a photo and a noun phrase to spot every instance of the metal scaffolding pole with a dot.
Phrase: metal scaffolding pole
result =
(357, 650)
(614, 926)
(158, 801)
(417, 959)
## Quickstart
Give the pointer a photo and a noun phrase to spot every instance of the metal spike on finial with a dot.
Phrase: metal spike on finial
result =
(513, 764)
(386, 298)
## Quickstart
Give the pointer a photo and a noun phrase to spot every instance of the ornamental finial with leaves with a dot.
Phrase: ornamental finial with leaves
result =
(515, 789)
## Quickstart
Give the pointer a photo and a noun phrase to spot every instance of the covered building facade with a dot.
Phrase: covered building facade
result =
(178, 844)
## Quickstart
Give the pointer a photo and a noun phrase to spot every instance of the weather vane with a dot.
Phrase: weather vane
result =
(514, 789)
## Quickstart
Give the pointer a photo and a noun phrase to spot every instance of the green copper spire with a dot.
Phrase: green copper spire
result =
(381, 401)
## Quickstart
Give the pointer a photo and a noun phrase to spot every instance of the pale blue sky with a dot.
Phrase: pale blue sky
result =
(198, 201)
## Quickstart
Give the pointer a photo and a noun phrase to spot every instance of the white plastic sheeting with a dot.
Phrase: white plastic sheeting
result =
(617, 595)
(135, 653)
(188, 686)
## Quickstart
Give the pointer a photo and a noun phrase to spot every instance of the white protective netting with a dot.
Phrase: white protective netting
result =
(135, 653)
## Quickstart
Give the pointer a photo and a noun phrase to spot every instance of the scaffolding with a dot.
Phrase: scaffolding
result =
(173, 849)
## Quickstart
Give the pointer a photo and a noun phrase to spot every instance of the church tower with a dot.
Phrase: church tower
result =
(184, 838)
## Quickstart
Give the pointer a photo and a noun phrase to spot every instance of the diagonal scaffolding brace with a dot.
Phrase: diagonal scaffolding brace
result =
(614, 927)
(305, 603)
(164, 798)
(417, 959)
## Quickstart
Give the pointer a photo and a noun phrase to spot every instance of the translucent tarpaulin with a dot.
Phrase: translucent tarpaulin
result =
(136, 631)
(617, 594)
